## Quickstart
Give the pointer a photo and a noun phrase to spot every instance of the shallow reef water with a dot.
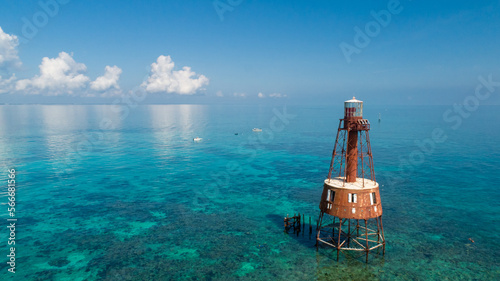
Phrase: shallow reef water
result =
(142, 201)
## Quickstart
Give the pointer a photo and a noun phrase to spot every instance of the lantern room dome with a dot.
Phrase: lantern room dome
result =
(353, 108)
(353, 100)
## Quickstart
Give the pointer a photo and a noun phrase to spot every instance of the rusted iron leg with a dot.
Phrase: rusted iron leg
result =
(318, 228)
(383, 235)
(366, 236)
(338, 244)
(348, 232)
(380, 239)
(378, 230)
(333, 231)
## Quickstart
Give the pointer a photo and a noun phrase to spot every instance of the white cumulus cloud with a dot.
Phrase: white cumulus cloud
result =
(8, 50)
(164, 78)
(7, 85)
(108, 81)
(57, 75)
(261, 95)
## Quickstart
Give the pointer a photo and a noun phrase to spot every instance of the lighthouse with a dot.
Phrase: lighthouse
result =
(351, 207)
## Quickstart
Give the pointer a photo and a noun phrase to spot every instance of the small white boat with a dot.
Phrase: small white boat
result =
(197, 139)
(257, 130)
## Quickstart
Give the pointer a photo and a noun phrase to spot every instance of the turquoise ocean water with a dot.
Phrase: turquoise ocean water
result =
(104, 196)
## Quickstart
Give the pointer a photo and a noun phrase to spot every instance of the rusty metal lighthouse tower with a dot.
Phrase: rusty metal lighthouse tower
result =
(351, 210)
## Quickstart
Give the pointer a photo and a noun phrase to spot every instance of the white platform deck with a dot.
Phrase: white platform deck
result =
(339, 183)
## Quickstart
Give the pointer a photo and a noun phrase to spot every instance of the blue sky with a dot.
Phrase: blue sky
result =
(428, 52)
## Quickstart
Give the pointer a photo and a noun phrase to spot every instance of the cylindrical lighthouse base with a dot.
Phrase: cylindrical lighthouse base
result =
(351, 216)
